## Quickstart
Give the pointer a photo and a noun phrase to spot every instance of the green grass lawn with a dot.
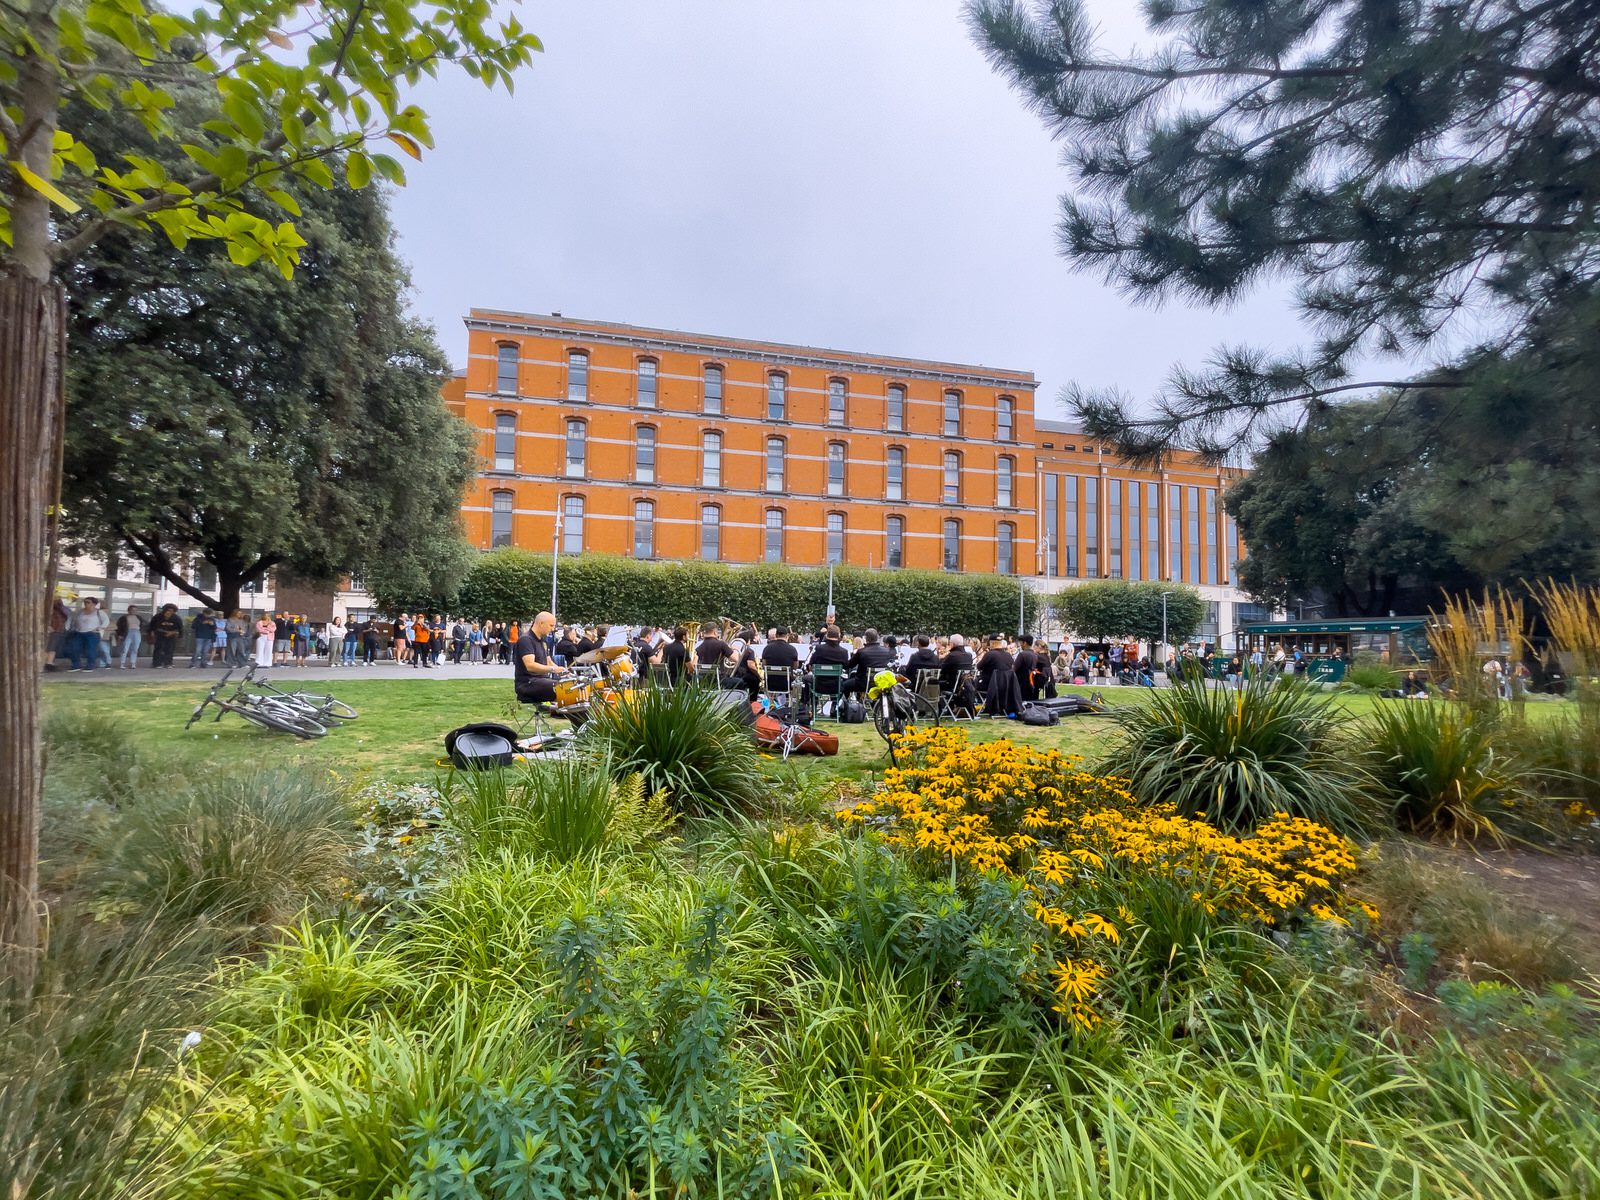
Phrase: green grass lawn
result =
(400, 733)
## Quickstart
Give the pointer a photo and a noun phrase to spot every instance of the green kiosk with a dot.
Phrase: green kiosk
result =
(1328, 647)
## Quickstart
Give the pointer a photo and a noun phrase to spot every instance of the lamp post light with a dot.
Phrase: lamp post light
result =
(831, 615)
(555, 562)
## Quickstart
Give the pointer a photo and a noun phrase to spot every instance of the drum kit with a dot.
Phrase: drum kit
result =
(601, 677)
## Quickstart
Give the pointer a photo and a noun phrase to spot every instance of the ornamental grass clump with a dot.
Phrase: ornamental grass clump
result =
(1236, 756)
(1111, 882)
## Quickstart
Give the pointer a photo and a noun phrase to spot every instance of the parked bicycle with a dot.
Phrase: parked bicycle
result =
(270, 712)
(896, 708)
(320, 706)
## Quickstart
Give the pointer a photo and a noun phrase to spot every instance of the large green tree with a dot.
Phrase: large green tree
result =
(1124, 608)
(298, 83)
(1426, 173)
(258, 420)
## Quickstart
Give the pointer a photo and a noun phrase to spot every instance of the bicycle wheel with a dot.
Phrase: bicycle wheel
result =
(282, 718)
(884, 719)
(327, 706)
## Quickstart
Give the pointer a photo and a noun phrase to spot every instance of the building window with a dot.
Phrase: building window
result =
(500, 519)
(835, 538)
(711, 391)
(952, 414)
(1152, 531)
(1052, 529)
(505, 442)
(1114, 528)
(1192, 525)
(835, 468)
(577, 440)
(1005, 542)
(775, 458)
(1134, 527)
(1251, 614)
(711, 460)
(644, 454)
(777, 396)
(577, 375)
(1091, 527)
(505, 378)
(1174, 532)
(1005, 471)
(710, 533)
(645, 385)
(952, 545)
(895, 474)
(644, 529)
(894, 536)
(572, 525)
(773, 547)
(1005, 419)
(1211, 535)
(1070, 545)
(836, 401)
(896, 422)
(952, 477)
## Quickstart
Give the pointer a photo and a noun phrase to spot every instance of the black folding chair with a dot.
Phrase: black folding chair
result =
(962, 693)
(926, 685)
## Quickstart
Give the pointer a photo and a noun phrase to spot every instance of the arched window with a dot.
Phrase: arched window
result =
(710, 532)
(835, 538)
(577, 447)
(1005, 472)
(1005, 541)
(838, 391)
(775, 457)
(577, 375)
(505, 442)
(896, 418)
(894, 487)
(572, 525)
(505, 362)
(711, 459)
(952, 545)
(500, 504)
(644, 529)
(773, 547)
(1005, 419)
(777, 396)
(952, 477)
(894, 538)
(711, 391)
(644, 454)
(645, 385)
(836, 468)
(952, 414)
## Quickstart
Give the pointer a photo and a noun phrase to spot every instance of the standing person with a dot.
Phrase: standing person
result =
(238, 629)
(87, 624)
(219, 640)
(266, 640)
(335, 635)
(419, 642)
(131, 630)
(281, 639)
(458, 641)
(300, 631)
(1027, 669)
(352, 640)
(436, 632)
(59, 639)
(369, 642)
(203, 628)
(997, 680)
(166, 628)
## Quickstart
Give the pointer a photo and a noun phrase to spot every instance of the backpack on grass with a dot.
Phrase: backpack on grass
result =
(1037, 714)
(481, 746)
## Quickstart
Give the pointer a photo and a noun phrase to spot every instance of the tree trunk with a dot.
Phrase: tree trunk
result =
(32, 353)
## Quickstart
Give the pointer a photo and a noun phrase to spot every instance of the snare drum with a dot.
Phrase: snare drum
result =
(572, 691)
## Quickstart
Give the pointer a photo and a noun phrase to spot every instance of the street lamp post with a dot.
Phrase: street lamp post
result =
(555, 562)
(830, 615)
(1164, 596)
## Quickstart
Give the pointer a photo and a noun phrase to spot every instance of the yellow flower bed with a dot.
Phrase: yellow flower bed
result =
(1081, 843)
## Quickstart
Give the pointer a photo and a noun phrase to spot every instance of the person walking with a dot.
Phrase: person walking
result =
(88, 624)
(266, 640)
(166, 630)
(130, 629)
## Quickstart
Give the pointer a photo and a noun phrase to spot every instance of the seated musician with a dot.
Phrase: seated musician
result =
(923, 658)
(780, 655)
(535, 669)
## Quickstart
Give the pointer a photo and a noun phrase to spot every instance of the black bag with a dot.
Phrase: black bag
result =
(1038, 714)
(852, 711)
(481, 746)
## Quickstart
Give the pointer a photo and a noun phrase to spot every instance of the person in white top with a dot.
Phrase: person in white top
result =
(89, 623)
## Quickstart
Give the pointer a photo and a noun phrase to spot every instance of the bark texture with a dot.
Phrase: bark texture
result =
(32, 403)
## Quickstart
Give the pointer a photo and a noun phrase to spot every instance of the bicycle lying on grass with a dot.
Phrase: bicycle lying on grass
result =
(270, 712)
(320, 706)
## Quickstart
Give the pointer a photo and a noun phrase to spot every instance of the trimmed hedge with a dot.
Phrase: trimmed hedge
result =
(512, 584)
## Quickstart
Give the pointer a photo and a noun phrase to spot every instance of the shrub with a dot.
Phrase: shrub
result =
(248, 846)
(567, 809)
(1439, 766)
(403, 850)
(1370, 674)
(684, 742)
(1238, 755)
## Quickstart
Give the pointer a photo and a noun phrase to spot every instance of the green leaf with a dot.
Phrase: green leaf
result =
(45, 188)
(357, 169)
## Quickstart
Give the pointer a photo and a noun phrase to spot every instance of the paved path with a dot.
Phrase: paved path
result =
(320, 672)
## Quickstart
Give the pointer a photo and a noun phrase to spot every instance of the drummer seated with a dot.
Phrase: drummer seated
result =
(535, 672)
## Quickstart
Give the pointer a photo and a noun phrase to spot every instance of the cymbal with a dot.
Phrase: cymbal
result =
(586, 660)
(610, 652)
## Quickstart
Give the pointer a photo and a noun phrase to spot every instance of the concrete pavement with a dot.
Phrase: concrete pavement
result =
(320, 672)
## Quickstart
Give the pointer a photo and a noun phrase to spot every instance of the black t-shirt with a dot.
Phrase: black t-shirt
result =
(779, 654)
(673, 657)
(524, 680)
(872, 658)
(712, 651)
(567, 649)
(581, 647)
(1027, 663)
(923, 658)
(830, 654)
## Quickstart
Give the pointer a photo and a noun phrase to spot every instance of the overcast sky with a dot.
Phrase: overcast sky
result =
(840, 173)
